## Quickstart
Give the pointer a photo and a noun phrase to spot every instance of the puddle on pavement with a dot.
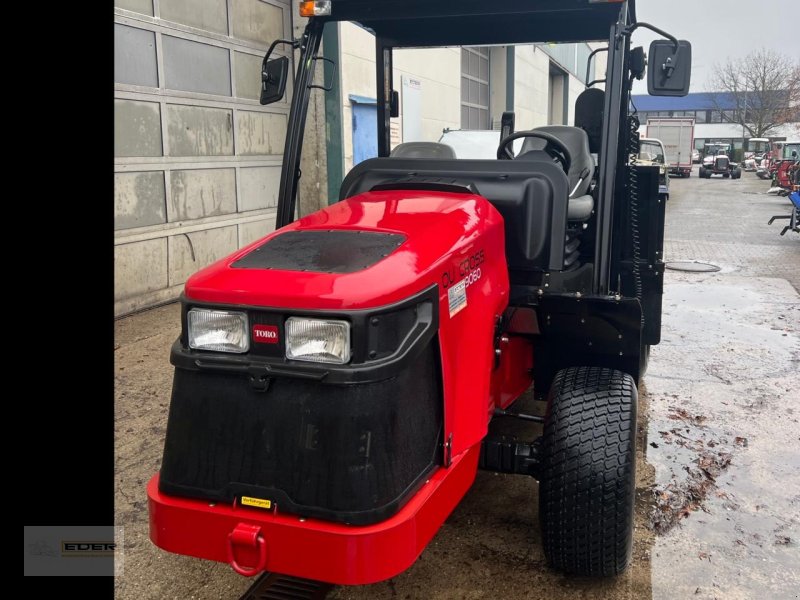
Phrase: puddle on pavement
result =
(723, 432)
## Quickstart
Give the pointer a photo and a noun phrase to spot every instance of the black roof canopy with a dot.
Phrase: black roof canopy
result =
(410, 23)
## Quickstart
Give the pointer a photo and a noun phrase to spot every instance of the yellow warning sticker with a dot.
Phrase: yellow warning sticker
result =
(257, 502)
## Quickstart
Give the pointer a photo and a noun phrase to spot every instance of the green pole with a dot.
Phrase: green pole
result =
(333, 111)
(510, 64)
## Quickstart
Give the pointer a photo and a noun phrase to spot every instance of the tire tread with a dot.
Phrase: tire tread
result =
(587, 483)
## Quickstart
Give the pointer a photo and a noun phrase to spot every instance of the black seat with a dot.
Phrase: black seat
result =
(580, 173)
(423, 150)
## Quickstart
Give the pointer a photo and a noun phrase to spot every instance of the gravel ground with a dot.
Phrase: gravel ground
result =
(718, 490)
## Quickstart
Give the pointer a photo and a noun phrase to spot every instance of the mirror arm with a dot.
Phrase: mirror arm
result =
(293, 43)
(669, 65)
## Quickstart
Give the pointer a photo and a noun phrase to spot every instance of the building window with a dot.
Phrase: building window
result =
(475, 88)
(702, 116)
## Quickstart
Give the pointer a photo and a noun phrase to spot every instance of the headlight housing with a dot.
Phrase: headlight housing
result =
(217, 330)
(318, 340)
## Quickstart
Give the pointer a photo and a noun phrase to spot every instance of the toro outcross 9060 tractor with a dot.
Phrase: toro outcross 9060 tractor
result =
(335, 380)
(716, 161)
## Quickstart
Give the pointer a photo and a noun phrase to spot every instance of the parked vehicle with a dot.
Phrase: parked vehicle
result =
(785, 156)
(677, 135)
(716, 161)
(758, 149)
(651, 152)
(695, 156)
(787, 150)
(766, 170)
(335, 380)
(472, 143)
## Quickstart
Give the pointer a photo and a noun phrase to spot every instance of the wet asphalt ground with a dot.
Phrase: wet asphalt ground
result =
(718, 464)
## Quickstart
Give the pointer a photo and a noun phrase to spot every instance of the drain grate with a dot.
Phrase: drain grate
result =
(692, 266)
(272, 586)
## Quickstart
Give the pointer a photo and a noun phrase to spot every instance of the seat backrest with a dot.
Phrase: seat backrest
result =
(589, 114)
(423, 150)
(576, 140)
(530, 195)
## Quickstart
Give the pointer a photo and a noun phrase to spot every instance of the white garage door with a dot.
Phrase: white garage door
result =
(197, 158)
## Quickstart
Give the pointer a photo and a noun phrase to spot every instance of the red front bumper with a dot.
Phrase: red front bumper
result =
(253, 540)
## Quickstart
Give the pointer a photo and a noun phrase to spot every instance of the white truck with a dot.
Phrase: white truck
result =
(677, 135)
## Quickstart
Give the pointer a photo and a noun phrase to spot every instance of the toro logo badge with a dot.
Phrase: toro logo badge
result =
(265, 334)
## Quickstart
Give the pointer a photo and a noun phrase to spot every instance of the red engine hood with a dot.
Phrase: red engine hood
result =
(436, 225)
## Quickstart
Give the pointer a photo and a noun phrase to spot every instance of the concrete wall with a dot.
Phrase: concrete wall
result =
(357, 52)
(531, 87)
(438, 70)
(574, 89)
(312, 193)
(197, 158)
(497, 84)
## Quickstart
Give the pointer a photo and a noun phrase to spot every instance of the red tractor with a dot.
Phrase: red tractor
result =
(787, 156)
(335, 380)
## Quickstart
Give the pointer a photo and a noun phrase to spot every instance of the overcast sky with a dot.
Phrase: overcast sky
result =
(720, 29)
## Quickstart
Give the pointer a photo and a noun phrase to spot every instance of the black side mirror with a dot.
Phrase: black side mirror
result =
(273, 79)
(669, 69)
(394, 104)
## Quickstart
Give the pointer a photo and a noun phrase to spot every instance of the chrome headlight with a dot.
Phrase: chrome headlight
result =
(318, 340)
(218, 330)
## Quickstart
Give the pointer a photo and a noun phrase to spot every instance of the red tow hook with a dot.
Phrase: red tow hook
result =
(248, 538)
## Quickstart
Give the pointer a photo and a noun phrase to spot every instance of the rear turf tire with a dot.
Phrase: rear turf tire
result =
(587, 483)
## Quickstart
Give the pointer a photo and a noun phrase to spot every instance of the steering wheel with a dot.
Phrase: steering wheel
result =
(555, 147)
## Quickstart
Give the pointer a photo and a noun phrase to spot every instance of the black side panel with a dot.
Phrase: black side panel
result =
(323, 251)
(595, 331)
(647, 223)
(531, 195)
(349, 453)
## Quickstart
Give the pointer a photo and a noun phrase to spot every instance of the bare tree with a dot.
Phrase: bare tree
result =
(759, 92)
